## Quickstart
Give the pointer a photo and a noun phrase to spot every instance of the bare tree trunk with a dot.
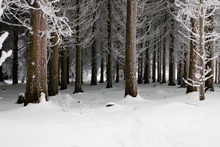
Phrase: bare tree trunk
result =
(179, 73)
(209, 83)
(1, 75)
(15, 58)
(171, 60)
(154, 66)
(109, 61)
(171, 53)
(184, 68)
(130, 56)
(147, 67)
(159, 64)
(201, 52)
(102, 70)
(117, 71)
(78, 70)
(63, 70)
(192, 57)
(140, 69)
(53, 67)
(37, 57)
(94, 65)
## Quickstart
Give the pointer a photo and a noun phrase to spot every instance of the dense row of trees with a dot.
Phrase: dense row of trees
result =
(73, 39)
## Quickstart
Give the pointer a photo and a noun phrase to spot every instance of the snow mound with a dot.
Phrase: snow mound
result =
(129, 100)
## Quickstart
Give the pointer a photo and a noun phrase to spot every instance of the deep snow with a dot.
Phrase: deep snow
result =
(161, 116)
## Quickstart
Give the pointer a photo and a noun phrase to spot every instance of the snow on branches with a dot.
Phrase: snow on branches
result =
(197, 18)
(4, 35)
(20, 10)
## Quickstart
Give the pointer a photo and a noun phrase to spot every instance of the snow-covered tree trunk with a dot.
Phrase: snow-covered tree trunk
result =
(37, 56)
(130, 55)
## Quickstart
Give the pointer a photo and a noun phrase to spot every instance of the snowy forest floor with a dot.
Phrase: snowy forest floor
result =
(162, 116)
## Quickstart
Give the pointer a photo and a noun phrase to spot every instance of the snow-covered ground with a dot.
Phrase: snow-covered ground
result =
(161, 116)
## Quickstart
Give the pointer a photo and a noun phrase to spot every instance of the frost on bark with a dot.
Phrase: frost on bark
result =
(53, 67)
(109, 57)
(37, 57)
(130, 55)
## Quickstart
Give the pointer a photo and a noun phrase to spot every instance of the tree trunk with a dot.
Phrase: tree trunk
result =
(109, 61)
(171, 60)
(1, 75)
(158, 64)
(63, 70)
(179, 73)
(130, 55)
(94, 65)
(184, 68)
(209, 83)
(147, 67)
(37, 57)
(102, 70)
(53, 67)
(117, 71)
(192, 58)
(68, 70)
(201, 53)
(78, 70)
(154, 66)
(15, 58)
(140, 69)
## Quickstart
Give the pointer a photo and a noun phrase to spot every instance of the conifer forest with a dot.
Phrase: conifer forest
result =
(122, 73)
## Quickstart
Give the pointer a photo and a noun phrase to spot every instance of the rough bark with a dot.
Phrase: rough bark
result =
(140, 69)
(37, 57)
(130, 55)
(53, 67)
